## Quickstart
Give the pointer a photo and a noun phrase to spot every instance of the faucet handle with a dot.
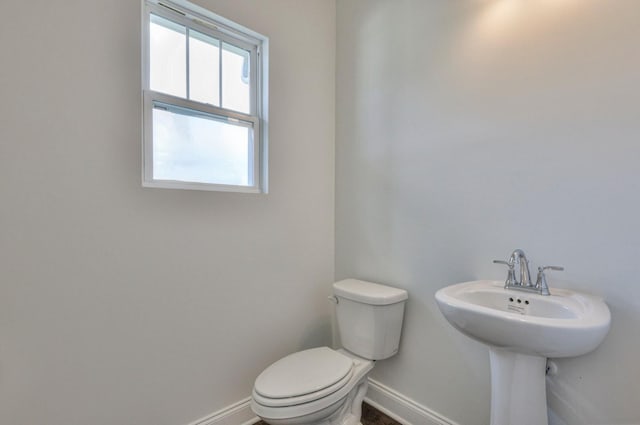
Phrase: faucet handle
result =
(541, 281)
(511, 275)
(543, 268)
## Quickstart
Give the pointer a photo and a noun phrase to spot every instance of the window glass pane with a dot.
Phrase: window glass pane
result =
(167, 57)
(235, 79)
(201, 149)
(204, 68)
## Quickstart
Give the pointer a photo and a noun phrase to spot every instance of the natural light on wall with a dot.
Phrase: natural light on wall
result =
(507, 41)
(500, 17)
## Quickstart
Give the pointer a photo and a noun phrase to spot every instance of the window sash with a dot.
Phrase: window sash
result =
(196, 109)
(211, 30)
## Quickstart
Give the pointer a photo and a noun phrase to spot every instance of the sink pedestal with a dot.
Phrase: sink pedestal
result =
(518, 388)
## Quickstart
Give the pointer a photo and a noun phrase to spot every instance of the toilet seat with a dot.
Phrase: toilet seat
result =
(303, 377)
(327, 399)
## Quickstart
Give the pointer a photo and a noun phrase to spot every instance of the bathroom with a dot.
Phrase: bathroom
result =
(411, 143)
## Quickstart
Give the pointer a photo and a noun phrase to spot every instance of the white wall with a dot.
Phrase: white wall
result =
(466, 129)
(124, 305)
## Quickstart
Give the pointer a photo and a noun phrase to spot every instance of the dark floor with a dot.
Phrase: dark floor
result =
(370, 416)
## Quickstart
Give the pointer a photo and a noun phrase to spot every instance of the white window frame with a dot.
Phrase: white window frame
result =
(206, 22)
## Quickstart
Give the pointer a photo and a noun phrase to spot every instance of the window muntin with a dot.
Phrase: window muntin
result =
(203, 103)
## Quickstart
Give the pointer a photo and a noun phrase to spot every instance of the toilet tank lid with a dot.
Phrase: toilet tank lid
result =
(368, 292)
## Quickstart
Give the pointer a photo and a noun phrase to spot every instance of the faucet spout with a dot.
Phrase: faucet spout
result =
(519, 258)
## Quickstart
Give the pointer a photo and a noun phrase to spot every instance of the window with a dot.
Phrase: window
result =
(205, 100)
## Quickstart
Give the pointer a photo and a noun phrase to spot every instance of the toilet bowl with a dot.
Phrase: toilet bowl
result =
(322, 386)
(319, 385)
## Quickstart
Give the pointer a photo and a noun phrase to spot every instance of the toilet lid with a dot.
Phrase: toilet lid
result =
(304, 372)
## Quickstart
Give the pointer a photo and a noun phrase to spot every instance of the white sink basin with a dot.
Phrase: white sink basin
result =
(522, 329)
(563, 324)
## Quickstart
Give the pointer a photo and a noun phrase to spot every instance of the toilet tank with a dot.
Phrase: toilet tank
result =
(369, 317)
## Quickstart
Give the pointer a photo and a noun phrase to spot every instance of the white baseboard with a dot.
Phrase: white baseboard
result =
(239, 413)
(401, 408)
(387, 400)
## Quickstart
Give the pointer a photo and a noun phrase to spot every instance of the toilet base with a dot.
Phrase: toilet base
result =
(351, 412)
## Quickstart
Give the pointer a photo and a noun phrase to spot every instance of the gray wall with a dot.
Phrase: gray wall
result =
(466, 129)
(124, 305)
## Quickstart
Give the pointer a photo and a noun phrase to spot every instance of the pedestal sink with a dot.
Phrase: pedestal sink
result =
(523, 329)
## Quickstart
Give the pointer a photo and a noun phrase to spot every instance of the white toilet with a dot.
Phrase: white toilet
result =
(322, 386)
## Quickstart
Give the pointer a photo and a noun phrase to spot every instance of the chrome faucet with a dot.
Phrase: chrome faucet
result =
(518, 258)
